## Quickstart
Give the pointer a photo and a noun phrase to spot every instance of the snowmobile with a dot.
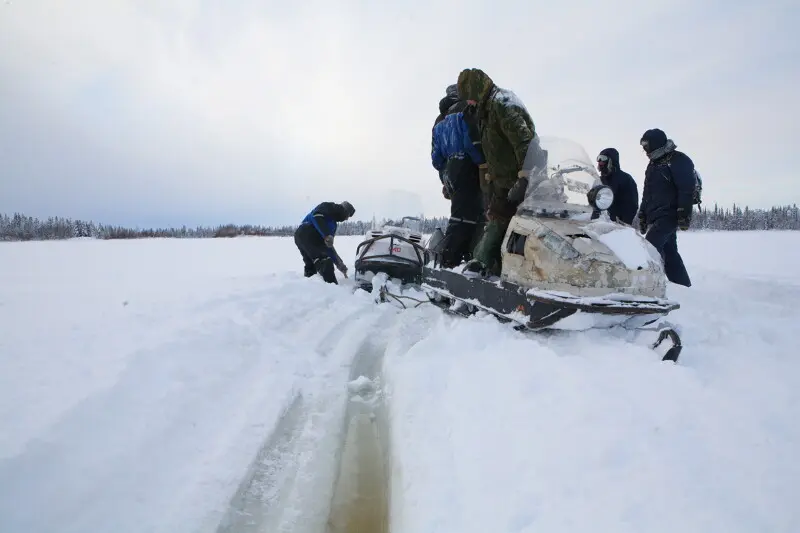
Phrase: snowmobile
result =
(560, 269)
(396, 250)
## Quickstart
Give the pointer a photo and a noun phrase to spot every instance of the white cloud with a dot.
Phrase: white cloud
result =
(255, 111)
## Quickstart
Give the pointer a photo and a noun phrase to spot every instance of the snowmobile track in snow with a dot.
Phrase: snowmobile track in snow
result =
(268, 478)
(348, 467)
(361, 493)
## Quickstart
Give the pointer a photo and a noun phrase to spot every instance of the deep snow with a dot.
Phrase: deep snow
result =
(167, 385)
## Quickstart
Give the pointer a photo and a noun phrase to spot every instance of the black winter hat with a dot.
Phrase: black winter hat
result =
(653, 140)
(450, 99)
(348, 207)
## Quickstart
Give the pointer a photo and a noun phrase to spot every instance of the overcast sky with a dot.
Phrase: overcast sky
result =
(165, 112)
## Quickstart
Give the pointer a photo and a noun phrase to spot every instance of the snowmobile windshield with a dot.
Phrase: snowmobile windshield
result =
(562, 173)
(413, 223)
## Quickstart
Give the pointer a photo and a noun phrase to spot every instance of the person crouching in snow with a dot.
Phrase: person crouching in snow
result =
(626, 193)
(667, 200)
(456, 155)
(314, 238)
(506, 130)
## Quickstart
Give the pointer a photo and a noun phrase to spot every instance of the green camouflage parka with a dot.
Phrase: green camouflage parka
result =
(506, 126)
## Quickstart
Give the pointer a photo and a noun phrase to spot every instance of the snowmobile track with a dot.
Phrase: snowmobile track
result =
(341, 331)
(269, 477)
(361, 496)
(324, 468)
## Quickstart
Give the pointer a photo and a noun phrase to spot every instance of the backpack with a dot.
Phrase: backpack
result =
(697, 194)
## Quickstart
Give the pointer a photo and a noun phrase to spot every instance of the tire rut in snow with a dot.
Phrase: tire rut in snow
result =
(324, 467)
(361, 493)
(268, 478)
(341, 331)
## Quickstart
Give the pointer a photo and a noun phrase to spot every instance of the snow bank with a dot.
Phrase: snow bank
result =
(167, 385)
(496, 431)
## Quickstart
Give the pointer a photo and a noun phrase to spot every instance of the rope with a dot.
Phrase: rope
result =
(386, 293)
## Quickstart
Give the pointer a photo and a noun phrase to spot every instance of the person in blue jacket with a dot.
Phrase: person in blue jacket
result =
(667, 200)
(314, 238)
(456, 155)
(626, 193)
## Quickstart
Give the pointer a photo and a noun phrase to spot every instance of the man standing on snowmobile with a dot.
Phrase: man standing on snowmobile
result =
(626, 193)
(667, 200)
(314, 239)
(506, 130)
(456, 155)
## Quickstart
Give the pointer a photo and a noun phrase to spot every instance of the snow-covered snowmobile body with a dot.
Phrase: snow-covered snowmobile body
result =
(560, 269)
(396, 250)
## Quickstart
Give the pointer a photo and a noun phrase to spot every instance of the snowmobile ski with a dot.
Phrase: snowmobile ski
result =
(540, 311)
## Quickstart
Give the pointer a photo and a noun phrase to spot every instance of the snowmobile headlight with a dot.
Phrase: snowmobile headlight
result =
(604, 198)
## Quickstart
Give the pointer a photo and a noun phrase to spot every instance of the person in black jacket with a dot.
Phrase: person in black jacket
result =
(314, 238)
(626, 193)
(667, 200)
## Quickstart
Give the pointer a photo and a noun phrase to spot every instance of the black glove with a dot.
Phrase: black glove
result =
(341, 266)
(684, 218)
(445, 193)
(517, 192)
(642, 223)
(328, 241)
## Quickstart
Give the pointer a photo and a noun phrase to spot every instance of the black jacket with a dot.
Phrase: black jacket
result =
(668, 185)
(626, 193)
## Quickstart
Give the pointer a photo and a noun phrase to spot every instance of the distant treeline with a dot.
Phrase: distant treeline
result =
(18, 227)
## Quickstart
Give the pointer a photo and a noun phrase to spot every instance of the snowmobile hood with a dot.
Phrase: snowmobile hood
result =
(474, 84)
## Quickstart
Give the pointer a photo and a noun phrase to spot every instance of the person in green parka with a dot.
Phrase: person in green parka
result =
(506, 130)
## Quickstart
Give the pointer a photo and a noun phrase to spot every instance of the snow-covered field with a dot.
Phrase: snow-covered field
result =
(202, 385)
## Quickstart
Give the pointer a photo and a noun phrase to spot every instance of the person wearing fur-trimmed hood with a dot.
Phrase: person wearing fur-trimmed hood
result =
(506, 130)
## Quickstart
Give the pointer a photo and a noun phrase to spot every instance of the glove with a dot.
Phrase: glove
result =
(329, 241)
(684, 218)
(445, 193)
(517, 192)
(341, 266)
(642, 223)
